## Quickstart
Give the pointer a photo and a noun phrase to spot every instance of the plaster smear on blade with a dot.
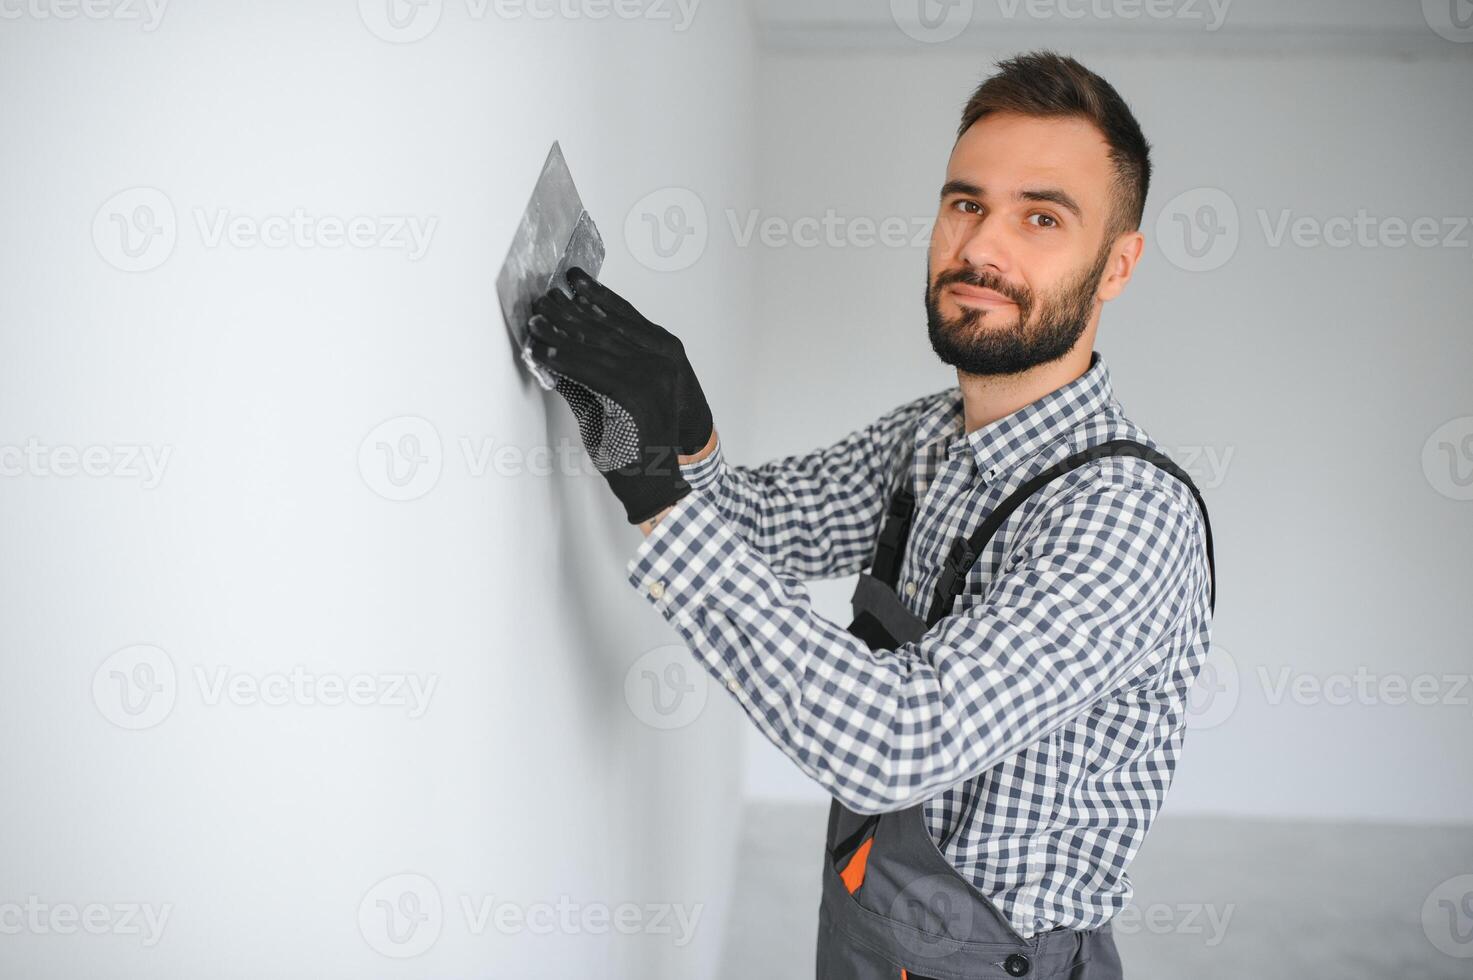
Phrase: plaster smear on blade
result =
(555, 232)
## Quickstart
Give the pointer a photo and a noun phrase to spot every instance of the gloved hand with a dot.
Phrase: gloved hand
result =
(622, 395)
(615, 313)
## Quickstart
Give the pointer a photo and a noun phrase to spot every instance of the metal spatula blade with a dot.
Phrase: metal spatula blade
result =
(555, 233)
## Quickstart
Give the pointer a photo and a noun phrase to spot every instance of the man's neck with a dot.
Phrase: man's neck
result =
(987, 398)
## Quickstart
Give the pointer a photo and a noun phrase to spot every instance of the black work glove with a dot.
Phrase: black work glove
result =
(615, 313)
(623, 397)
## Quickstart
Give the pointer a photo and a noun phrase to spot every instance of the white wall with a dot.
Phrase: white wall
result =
(1299, 385)
(263, 372)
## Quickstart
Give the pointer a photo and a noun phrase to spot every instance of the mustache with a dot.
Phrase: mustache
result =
(984, 280)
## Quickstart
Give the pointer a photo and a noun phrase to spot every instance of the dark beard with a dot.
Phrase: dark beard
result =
(976, 349)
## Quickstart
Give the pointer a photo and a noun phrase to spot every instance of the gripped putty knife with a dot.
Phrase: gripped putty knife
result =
(555, 234)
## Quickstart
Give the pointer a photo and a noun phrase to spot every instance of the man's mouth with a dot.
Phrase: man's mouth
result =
(976, 296)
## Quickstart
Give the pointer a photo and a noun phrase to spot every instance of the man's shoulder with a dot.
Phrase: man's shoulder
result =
(931, 409)
(1125, 473)
(932, 401)
(1118, 492)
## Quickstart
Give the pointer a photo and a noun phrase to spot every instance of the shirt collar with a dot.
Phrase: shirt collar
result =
(1007, 442)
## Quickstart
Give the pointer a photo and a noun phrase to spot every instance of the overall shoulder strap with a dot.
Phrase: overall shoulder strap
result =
(895, 531)
(965, 551)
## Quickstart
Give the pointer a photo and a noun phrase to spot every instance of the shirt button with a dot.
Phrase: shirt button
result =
(910, 588)
(657, 589)
(732, 685)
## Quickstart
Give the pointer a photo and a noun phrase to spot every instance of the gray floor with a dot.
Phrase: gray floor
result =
(1214, 898)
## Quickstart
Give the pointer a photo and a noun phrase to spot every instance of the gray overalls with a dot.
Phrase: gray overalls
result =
(893, 906)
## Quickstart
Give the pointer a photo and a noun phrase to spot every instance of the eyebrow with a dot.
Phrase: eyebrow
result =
(1051, 195)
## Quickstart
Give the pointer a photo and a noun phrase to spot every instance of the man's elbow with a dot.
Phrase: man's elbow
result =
(871, 799)
(867, 805)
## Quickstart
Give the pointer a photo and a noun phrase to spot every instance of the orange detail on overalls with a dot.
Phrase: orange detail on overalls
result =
(853, 873)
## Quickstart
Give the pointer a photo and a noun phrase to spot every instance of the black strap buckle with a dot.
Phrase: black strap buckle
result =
(902, 503)
(890, 545)
(959, 560)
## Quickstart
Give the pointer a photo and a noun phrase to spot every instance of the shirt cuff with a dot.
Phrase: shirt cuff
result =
(685, 557)
(703, 474)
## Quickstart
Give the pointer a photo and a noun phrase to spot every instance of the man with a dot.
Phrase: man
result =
(1000, 723)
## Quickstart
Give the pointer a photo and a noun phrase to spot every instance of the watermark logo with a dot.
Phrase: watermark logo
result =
(148, 13)
(665, 689)
(1212, 14)
(1362, 230)
(1447, 458)
(1362, 687)
(407, 233)
(407, 21)
(302, 688)
(1447, 917)
(568, 917)
(1206, 465)
(932, 21)
(831, 230)
(400, 21)
(37, 918)
(932, 914)
(669, 230)
(678, 13)
(125, 461)
(402, 458)
(136, 687)
(401, 916)
(1198, 230)
(1182, 919)
(1451, 19)
(666, 230)
(135, 230)
(1214, 696)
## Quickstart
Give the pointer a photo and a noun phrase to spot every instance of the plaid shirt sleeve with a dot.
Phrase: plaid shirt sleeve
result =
(815, 515)
(1110, 570)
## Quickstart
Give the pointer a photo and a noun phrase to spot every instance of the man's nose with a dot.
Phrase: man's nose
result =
(984, 245)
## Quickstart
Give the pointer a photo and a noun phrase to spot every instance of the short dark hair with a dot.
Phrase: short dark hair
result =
(1044, 83)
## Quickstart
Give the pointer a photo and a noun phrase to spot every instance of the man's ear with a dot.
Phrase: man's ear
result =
(1124, 255)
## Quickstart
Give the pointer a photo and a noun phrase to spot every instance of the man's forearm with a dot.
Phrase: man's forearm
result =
(1091, 593)
(649, 525)
(816, 514)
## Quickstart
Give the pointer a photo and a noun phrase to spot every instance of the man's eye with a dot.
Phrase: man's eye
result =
(1048, 220)
(970, 207)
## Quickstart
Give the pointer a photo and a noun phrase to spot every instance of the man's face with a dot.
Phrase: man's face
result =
(1018, 250)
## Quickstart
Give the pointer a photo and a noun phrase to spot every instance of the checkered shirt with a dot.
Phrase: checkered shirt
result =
(1039, 723)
